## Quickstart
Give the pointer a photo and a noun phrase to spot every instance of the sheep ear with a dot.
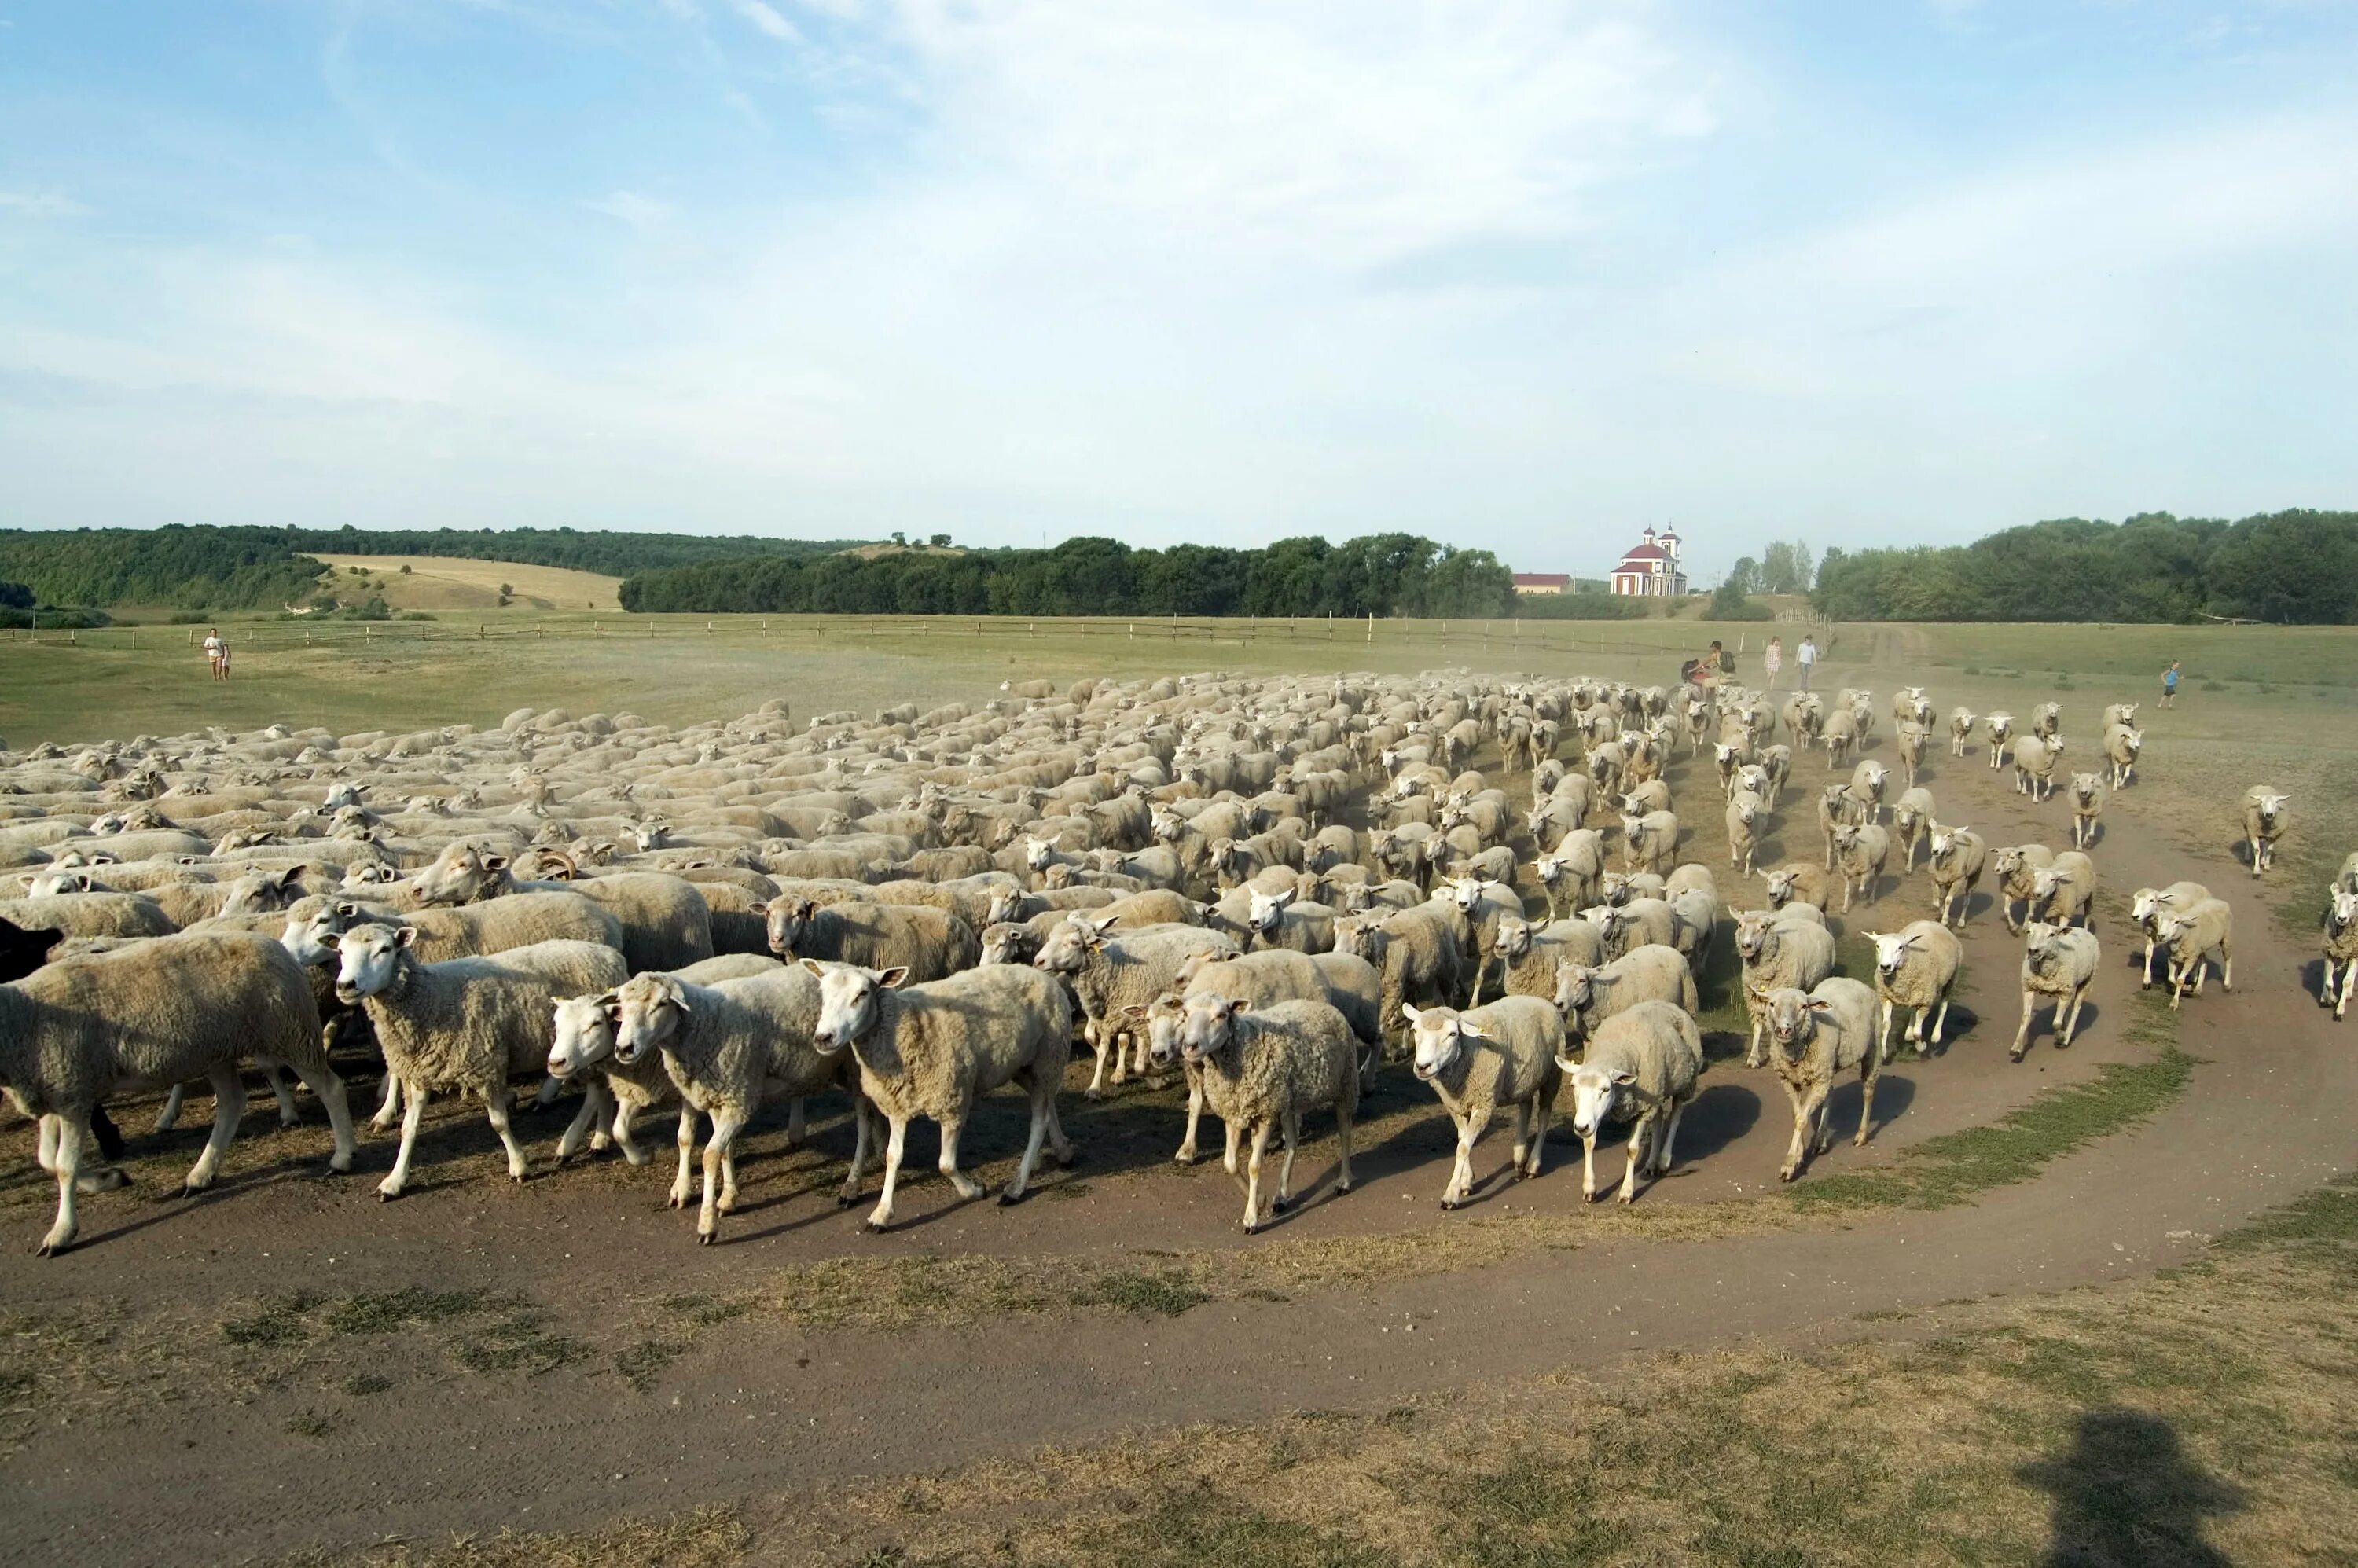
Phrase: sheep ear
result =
(495, 862)
(893, 978)
(1470, 1030)
(1566, 1064)
(815, 967)
(1413, 1012)
(405, 935)
(1133, 1011)
(1623, 1078)
(1820, 1004)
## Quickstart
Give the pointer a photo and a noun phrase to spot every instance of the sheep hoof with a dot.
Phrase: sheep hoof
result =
(52, 1248)
(1342, 1189)
(1448, 1206)
(845, 1200)
(873, 1227)
(189, 1190)
(1008, 1200)
(2014, 1056)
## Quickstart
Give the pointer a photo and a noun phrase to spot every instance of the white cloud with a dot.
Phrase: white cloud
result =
(768, 20)
(41, 204)
(641, 213)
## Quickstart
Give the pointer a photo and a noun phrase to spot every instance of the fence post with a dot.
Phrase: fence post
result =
(1372, 625)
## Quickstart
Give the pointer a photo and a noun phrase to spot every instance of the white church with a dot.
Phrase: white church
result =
(1651, 567)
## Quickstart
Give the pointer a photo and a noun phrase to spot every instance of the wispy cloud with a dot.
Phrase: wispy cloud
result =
(641, 213)
(769, 20)
(41, 204)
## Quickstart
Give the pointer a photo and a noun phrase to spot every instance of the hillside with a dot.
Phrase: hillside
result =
(436, 583)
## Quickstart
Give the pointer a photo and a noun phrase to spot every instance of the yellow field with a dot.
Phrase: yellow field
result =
(441, 582)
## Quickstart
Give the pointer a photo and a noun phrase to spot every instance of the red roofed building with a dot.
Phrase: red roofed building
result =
(1651, 567)
(1542, 582)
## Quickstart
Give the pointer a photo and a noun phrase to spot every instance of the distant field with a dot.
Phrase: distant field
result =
(441, 582)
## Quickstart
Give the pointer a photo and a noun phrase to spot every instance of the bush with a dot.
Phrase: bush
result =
(413, 615)
(1728, 603)
(1580, 607)
(49, 616)
(187, 618)
(405, 569)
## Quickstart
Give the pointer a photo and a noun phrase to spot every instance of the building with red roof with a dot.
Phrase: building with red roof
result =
(1650, 568)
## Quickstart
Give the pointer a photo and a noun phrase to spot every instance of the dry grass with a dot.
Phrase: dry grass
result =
(2206, 1416)
(442, 583)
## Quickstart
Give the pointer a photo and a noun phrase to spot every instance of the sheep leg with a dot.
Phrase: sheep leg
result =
(1640, 1150)
(682, 1185)
(1522, 1146)
(169, 1117)
(1100, 1043)
(413, 1113)
(2226, 967)
(1939, 1023)
(1187, 1155)
(2070, 1025)
(1461, 1170)
(1867, 1075)
(580, 1129)
(271, 1069)
(882, 1215)
(229, 1103)
(1883, 1030)
(388, 1105)
(1043, 1107)
(726, 1121)
(863, 1126)
(952, 1125)
(2349, 973)
(1284, 1200)
(2325, 987)
(1670, 1136)
(2177, 982)
(545, 1096)
(496, 1106)
(62, 1136)
(1588, 1166)
(2022, 1034)
(327, 1088)
(1252, 1180)
(1804, 1112)
(625, 1113)
(2149, 965)
(1752, 1054)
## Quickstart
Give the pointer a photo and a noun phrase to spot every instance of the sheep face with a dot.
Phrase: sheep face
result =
(370, 957)
(1361, 938)
(1006, 904)
(848, 1006)
(1036, 852)
(1890, 953)
(1439, 1036)
(584, 1034)
(2042, 943)
(1792, 1017)
(259, 893)
(49, 884)
(1161, 1021)
(647, 1010)
(787, 919)
(1597, 1094)
(2271, 809)
(1574, 986)
(312, 938)
(371, 873)
(2344, 913)
(2085, 787)
(1780, 887)
(1514, 937)
(1751, 936)
(1068, 947)
(1209, 1025)
(462, 873)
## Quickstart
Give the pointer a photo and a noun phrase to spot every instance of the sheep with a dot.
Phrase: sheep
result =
(1419, 952)
(1955, 863)
(147, 1016)
(2146, 906)
(463, 1023)
(2086, 797)
(2047, 720)
(2264, 824)
(2064, 891)
(1833, 811)
(1477, 1060)
(2016, 865)
(1913, 739)
(1776, 766)
(1916, 966)
(1278, 920)
(1813, 1036)
(2001, 733)
(929, 943)
(2121, 747)
(91, 915)
(1481, 905)
(2035, 761)
(1911, 822)
(494, 925)
(1348, 984)
(1652, 840)
(1260, 1069)
(665, 922)
(1108, 973)
(930, 1050)
(1640, 922)
(723, 1046)
(1643, 1063)
(1571, 875)
(1961, 730)
(2058, 961)
(1778, 954)
(2341, 943)
(2189, 936)
(1840, 737)
(1799, 883)
(1743, 811)
(1620, 887)
(1586, 996)
(1860, 853)
(1530, 954)
(582, 1045)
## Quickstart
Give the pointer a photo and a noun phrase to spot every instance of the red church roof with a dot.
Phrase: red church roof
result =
(1543, 580)
(1645, 553)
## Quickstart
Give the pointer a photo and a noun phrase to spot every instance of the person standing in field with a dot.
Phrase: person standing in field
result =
(1806, 656)
(216, 653)
(1773, 659)
(2170, 685)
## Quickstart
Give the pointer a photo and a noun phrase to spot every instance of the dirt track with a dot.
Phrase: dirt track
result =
(757, 1405)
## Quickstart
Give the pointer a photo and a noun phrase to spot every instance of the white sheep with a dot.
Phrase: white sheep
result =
(2341, 943)
(2122, 745)
(2189, 937)
(2146, 906)
(150, 1015)
(2086, 795)
(2064, 891)
(1109, 973)
(929, 943)
(2001, 734)
(1418, 953)
(930, 1050)
(1961, 730)
(1813, 1037)
(1743, 812)
(1911, 821)
(1643, 1064)
(2058, 961)
(1479, 1060)
(2036, 757)
(1778, 953)
(2018, 867)
(1261, 1068)
(2264, 824)
(1587, 995)
(469, 1025)
(1860, 854)
(1916, 966)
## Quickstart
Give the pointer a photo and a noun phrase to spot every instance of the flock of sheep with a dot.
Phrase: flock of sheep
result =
(918, 908)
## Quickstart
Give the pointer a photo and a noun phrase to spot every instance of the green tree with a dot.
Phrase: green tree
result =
(1745, 576)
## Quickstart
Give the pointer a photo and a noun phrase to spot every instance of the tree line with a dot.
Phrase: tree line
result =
(1381, 574)
(2283, 566)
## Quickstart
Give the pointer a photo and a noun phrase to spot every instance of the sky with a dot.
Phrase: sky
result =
(1516, 275)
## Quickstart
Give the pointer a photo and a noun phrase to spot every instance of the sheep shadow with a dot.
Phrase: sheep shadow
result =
(2043, 1022)
(1720, 1116)
(1894, 1093)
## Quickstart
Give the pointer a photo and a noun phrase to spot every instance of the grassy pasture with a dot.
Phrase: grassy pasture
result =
(450, 583)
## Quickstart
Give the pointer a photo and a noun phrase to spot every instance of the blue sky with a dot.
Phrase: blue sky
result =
(1519, 276)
